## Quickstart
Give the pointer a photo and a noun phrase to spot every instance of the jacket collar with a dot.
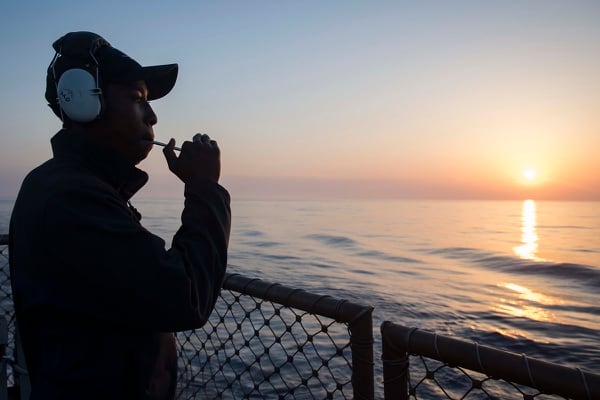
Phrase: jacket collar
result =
(108, 165)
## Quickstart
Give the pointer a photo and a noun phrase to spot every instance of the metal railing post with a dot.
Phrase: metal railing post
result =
(394, 356)
(361, 343)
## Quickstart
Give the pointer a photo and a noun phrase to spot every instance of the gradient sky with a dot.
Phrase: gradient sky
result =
(340, 98)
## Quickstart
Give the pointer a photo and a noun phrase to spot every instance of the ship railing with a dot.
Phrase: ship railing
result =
(266, 340)
(421, 364)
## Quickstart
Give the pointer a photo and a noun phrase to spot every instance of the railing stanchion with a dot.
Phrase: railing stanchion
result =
(361, 342)
(395, 360)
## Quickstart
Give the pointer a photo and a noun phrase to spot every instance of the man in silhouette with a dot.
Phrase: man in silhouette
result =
(97, 296)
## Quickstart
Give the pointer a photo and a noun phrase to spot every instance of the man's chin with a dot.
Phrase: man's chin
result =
(144, 153)
(141, 158)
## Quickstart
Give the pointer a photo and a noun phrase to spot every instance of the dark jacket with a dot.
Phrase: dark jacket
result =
(93, 288)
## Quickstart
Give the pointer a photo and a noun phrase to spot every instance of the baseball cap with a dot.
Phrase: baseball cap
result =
(83, 49)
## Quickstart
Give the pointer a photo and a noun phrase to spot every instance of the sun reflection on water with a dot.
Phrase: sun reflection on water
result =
(526, 303)
(529, 238)
(530, 295)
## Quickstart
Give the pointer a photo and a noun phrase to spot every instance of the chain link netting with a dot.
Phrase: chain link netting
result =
(252, 348)
(432, 379)
(6, 305)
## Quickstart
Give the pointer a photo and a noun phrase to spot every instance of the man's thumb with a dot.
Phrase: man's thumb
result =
(169, 153)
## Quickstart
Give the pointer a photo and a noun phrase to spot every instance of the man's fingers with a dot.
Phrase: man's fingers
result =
(202, 138)
(199, 158)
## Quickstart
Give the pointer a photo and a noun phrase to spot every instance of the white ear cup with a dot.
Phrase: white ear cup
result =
(79, 95)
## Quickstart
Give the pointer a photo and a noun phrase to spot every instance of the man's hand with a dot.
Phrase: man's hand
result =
(200, 159)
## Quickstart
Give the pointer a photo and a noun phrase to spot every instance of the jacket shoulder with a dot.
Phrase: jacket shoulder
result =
(56, 176)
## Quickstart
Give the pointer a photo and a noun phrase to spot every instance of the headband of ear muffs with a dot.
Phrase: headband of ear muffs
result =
(78, 89)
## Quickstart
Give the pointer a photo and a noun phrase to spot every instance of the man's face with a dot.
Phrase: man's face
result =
(127, 120)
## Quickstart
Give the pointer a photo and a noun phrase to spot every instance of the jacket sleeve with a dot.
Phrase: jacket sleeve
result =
(106, 266)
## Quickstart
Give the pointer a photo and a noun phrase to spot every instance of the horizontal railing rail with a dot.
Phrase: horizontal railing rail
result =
(400, 342)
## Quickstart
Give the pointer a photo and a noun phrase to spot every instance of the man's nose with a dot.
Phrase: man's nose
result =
(151, 117)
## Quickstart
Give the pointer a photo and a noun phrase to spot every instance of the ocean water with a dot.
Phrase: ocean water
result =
(518, 275)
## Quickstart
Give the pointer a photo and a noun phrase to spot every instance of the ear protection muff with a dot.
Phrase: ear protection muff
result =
(79, 96)
(78, 91)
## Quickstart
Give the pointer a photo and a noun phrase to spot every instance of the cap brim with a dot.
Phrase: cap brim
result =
(160, 79)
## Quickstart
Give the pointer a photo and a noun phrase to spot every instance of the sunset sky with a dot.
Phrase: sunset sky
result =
(433, 99)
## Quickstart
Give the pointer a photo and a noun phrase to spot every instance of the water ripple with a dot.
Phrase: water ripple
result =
(585, 274)
(332, 240)
(384, 256)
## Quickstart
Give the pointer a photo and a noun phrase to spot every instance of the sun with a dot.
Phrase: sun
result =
(529, 174)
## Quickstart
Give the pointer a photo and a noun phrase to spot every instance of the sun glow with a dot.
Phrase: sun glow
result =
(529, 174)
